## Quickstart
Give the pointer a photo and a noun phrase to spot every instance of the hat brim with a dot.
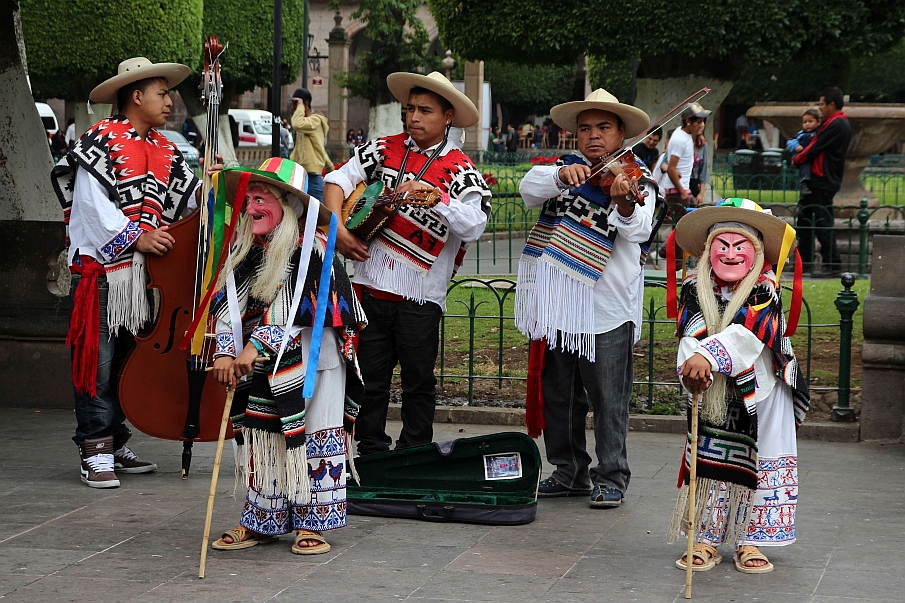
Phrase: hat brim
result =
(231, 181)
(566, 115)
(173, 73)
(692, 230)
(400, 84)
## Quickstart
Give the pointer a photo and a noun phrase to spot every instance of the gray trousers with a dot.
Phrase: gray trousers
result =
(572, 386)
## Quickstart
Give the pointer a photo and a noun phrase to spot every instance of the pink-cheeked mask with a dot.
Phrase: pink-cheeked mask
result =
(264, 209)
(731, 256)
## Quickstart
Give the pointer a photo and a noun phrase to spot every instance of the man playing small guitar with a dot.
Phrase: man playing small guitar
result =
(403, 271)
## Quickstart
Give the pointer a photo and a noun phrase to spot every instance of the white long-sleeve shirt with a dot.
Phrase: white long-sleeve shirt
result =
(464, 217)
(731, 352)
(619, 293)
(95, 220)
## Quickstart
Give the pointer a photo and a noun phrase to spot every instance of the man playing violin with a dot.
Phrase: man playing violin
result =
(120, 187)
(403, 272)
(579, 295)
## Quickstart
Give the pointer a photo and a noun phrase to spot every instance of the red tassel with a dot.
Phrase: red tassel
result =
(238, 208)
(84, 326)
(534, 403)
(795, 308)
(672, 302)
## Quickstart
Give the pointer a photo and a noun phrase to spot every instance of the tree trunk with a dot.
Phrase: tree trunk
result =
(657, 96)
(385, 120)
(25, 161)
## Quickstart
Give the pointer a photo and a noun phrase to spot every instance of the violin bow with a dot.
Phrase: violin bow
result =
(667, 117)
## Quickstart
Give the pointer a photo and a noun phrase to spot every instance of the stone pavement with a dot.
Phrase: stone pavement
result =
(62, 541)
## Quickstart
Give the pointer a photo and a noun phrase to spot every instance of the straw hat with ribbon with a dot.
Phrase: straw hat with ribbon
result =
(777, 238)
(134, 69)
(566, 114)
(281, 173)
(401, 83)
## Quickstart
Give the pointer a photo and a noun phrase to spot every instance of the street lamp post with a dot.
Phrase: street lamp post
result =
(448, 63)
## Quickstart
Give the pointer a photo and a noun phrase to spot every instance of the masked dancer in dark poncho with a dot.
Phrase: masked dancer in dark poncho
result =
(735, 348)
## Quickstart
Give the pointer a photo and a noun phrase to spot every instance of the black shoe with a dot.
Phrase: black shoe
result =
(550, 488)
(805, 188)
(605, 496)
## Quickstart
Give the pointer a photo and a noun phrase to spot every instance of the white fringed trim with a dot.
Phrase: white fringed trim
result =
(351, 456)
(267, 460)
(566, 305)
(127, 297)
(298, 484)
(240, 455)
(737, 505)
(526, 298)
(388, 273)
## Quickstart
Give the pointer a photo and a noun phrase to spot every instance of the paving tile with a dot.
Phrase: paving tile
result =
(12, 582)
(487, 560)
(37, 561)
(376, 552)
(357, 583)
(78, 590)
(485, 587)
(843, 582)
(581, 590)
(571, 541)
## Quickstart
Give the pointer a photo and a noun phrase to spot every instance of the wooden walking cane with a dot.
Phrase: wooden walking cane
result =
(691, 529)
(210, 498)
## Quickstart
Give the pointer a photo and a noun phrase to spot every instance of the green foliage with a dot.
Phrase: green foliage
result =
(74, 45)
(550, 84)
(880, 78)
(399, 42)
(248, 28)
(705, 37)
(614, 76)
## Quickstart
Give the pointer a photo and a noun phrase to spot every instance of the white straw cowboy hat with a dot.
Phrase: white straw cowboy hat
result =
(134, 69)
(693, 230)
(566, 114)
(400, 84)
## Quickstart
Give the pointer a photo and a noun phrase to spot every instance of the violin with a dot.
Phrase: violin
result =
(603, 174)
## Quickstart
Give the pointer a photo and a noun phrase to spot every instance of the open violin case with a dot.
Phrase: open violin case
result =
(490, 479)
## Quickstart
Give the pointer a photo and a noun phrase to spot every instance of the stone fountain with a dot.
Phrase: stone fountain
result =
(875, 128)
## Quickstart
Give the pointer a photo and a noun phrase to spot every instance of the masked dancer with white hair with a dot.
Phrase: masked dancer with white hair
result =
(735, 348)
(286, 315)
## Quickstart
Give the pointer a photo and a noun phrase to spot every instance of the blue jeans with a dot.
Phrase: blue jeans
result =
(406, 333)
(316, 186)
(572, 386)
(101, 415)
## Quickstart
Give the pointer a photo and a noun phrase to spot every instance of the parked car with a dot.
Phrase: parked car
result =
(255, 127)
(188, 151)
(48, 118)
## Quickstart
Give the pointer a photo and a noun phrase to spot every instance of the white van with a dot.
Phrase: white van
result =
(255, 127)
(48, 118)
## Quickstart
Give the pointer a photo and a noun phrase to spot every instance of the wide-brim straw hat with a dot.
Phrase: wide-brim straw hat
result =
(134, 69)
(401, 83)
(566, 115)
(693, 229)
(283, 174)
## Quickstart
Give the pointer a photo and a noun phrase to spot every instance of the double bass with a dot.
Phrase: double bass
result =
(164, 390)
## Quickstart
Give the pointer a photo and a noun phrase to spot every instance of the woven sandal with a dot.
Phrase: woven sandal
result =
(704, 552)
(749, 553)
(242, 538)
(317, 549)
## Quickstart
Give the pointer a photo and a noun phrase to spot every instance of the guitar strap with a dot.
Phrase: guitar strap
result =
(430, 160)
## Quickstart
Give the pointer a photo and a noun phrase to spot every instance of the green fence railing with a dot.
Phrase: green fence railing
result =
(483, 310)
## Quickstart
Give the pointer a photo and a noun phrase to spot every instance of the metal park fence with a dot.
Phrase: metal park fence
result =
(479, 342)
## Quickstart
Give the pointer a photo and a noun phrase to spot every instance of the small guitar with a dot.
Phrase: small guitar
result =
(369, 208)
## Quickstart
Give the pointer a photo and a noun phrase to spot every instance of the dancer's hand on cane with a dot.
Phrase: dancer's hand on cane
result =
(696, 374)
(228, 370)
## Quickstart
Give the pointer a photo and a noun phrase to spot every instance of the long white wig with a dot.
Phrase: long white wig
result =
(279, 247)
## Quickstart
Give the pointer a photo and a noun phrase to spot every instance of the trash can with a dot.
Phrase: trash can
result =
(771, 168)
(744, 167)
